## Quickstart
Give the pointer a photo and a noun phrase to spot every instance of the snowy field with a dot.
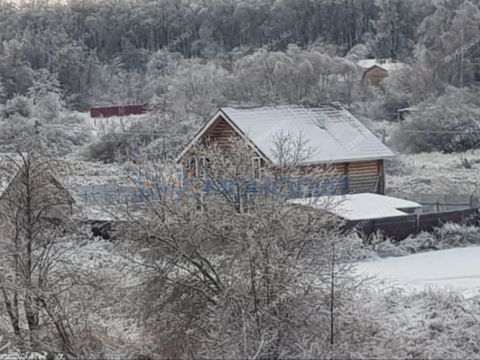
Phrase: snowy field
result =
(454, 269)
(436, 173)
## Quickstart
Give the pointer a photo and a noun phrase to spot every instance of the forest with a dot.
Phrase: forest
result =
(186, 58)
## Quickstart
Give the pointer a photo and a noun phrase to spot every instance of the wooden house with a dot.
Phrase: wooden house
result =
(375, 71)
(338, 140)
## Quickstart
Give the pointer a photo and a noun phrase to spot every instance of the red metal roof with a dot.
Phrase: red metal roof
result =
(123, 110)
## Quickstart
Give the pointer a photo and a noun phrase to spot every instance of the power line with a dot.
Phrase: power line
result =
(442, 131)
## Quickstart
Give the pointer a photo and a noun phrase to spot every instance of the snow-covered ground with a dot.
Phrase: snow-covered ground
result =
(435, 172)
(455, 269)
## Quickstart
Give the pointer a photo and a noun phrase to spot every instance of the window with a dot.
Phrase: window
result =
(197, 166)
(202, 167)
(258, 167)
(192, 166)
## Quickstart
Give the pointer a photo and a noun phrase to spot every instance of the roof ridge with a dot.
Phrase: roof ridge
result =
(335, 104)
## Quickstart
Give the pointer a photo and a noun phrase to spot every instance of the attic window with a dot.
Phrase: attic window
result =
(192, 165)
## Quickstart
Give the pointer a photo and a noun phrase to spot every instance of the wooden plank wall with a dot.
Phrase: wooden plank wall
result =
(374, 76)
(366, 176)
(221, 133)
(362, 176)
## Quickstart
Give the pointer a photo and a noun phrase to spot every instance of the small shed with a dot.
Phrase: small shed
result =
(376, 70)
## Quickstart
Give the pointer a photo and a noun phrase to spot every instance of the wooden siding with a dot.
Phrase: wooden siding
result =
(361, 176)
(365, 176)
(220, 132)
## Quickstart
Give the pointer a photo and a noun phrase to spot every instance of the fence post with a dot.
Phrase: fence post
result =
(438, 206)
(417, 222)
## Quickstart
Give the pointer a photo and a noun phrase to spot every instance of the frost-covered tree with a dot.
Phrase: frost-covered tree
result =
(3, 93)
(32, 281)
(448, 41)
(46, 96)
(448, 123)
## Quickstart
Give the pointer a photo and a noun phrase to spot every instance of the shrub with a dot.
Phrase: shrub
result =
(110, 148)
(387, 249)
(456, 235)
(423, 241)
(18, 105)
(397, 167)
(445, 237)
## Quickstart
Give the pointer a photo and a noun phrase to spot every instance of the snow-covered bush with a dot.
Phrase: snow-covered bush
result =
(109, 148)
(387, 249)
(64, 138)
(422, 241)
(432, 324)
(445, 237)
(456, 235)
(397, 167)
(18, 105)
(358, 250)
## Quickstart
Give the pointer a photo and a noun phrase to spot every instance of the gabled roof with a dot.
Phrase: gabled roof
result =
(10, 164)
(331, 132)
(385, 64)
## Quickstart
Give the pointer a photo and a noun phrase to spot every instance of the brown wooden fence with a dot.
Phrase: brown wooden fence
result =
(399, 227)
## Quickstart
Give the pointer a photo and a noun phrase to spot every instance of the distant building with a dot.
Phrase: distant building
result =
(338, 140)
(123, 110)
(376, 70)
(114, 118)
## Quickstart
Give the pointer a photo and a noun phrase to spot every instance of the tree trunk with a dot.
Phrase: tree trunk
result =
(12, 310)
(332, 295)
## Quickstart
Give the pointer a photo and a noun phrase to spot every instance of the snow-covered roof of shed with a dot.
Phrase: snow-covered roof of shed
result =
(331, 132)
(360, 206)
(386, 64)
(10, 164)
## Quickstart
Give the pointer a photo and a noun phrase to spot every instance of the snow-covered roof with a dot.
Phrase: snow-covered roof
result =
(359, 206)
(331, 132)
(10, 164)
(386, 64)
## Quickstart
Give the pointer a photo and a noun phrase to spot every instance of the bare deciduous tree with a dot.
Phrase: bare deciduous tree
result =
(34, 210)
